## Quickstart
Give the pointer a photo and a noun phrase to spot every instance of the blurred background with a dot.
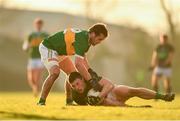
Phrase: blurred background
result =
(134, 27)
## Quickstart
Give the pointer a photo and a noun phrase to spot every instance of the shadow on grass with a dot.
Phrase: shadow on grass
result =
(13, 115)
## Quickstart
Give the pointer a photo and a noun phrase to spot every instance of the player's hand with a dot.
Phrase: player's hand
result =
(94, 75)
(92, 100)
(94, 80)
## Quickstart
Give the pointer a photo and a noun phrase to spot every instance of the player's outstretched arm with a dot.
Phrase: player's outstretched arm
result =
(81, 67)
(25, 45)
(154, 59)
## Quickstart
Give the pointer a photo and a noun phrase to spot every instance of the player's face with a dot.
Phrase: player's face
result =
(38, 25)
(96, 39)
(163, 39)
(78, 85)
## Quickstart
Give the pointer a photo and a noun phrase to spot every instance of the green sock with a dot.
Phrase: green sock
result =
(159, 96)
(41, 100)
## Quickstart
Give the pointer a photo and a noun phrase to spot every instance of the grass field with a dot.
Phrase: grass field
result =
(23, 106)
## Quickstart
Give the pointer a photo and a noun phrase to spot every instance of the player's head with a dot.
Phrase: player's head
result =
(77, 82)
(97, 33)
(38, 24)
(163, 38)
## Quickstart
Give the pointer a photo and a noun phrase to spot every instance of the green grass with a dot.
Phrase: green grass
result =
(23, 106)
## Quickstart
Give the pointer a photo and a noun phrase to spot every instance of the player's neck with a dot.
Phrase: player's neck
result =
(38, 30)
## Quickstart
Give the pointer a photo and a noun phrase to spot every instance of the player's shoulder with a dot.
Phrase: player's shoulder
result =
(159, 46)
(32, 33)
(44, 33)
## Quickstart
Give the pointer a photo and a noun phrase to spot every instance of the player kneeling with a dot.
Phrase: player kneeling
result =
(109, 94)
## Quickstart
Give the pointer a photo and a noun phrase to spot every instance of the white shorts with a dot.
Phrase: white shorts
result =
(50, 57)
(159, 71)
(34, 63)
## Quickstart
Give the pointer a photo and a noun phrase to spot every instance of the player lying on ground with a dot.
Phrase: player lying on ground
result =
(110, 94)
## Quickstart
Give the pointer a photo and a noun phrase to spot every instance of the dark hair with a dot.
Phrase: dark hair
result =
(165, 36)
(73, 76)
(98, 29)
(38, 20)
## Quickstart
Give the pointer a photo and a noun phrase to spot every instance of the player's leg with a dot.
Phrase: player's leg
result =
(154, 82)
(167, 85)
(30, 78)
(34, 81)
(38, 75)
(141, 93)
(50, 60)
(145, 93)
(67, 69)
(167, 80)
(67, 65)
(37, 78)
(31, 74)
(120, 92)
(53, 75)
(125, 92)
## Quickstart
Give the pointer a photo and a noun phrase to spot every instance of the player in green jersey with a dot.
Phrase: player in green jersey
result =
(72, 41)
(161, 63)
(31, 45)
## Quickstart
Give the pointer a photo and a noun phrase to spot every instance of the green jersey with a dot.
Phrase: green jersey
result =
(34, 39)
(163, 53)
(69, 42)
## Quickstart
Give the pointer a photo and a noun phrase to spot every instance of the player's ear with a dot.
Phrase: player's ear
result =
(93, 34)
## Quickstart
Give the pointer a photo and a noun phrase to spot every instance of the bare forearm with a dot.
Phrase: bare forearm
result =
(154, 59)
(79, 63)
(86, 63)
(107, 87)
(68, 90)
